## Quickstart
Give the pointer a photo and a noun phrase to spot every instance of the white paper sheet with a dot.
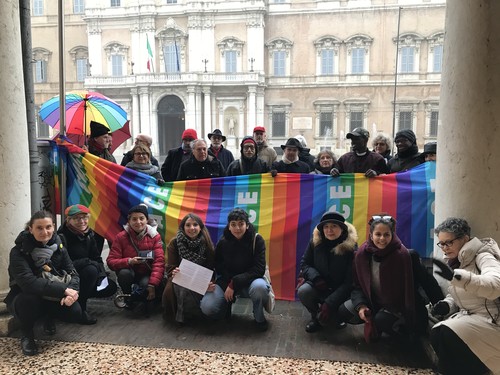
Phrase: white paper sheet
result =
(193, 276)
(104, 283)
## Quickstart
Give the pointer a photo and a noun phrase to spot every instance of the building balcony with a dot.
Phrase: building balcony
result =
(176, 79)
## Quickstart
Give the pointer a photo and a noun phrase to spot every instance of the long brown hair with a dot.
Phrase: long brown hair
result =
(203, 233)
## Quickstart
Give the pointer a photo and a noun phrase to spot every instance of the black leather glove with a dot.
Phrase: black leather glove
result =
(160, 182)
(441, 308)
(334, 172)
(320, 284)
(274, 172)
(444, 270)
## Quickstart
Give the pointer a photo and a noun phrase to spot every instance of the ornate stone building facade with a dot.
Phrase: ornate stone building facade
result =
(316, 68)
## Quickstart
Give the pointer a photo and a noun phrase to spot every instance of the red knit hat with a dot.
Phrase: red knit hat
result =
(189, 134)
(259, 129)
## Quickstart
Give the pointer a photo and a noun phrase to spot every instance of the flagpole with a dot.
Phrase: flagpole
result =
(396, 80)
(62, 105)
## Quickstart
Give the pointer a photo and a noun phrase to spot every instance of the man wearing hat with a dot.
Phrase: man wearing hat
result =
(217, 149)
(264, 152)
(430, 150)
(408, 155)
(175, 157)
(360, 159)
(290, 162)
(100, 141)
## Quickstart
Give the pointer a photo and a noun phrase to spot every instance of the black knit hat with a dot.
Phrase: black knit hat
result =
(408, 134)
(430, 148)
(141, 208)
(332, 217)
(97, 129)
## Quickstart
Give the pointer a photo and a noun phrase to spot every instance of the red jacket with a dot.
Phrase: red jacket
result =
(122, 249)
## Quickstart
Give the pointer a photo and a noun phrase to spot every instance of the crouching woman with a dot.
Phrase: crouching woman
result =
(43, 281)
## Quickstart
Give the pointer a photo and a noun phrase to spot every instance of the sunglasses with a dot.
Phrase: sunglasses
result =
(383, 219)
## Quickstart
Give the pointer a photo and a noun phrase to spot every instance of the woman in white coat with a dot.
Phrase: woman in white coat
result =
(468, 341)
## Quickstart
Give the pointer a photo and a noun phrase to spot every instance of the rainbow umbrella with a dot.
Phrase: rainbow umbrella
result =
(81, 108)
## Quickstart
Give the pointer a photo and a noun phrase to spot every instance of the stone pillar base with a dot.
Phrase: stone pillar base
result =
(7, 322)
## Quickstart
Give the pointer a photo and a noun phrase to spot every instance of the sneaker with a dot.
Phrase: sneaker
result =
(313, 326)
(262, 326)
(49, 327)
(28, 346)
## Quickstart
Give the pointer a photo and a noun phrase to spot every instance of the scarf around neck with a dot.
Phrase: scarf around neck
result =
(192, 250)
(148, 168)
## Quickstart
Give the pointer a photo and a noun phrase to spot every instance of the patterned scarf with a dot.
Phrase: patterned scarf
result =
(193, 250)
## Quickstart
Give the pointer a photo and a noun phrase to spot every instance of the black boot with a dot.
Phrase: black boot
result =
(87, 319)
(49, 326)
(313, 326)
(228, 310)
(28, 345)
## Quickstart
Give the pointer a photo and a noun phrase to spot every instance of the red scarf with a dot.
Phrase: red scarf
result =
(396, 276)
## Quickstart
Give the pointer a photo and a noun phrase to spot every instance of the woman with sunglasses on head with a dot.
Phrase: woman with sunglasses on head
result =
(141, 162)
(383, 297)
(192, 242)
(78, 238)
(468, 342)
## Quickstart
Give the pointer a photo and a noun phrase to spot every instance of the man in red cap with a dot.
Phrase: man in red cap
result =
(176, 156)
(264, 152)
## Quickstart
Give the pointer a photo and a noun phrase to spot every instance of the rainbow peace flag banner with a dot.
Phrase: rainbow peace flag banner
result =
(284, 209)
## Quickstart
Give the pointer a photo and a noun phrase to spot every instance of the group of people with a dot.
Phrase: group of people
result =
(196, 159)
(384, 286)
(380, 284)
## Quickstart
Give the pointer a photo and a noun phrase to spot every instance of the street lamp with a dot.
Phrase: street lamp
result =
(251, 60)
(204, 61)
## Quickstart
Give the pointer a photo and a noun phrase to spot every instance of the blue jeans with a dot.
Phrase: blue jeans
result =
(214, 305)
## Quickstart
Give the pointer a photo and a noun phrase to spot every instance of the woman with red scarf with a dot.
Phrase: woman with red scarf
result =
(383, 296)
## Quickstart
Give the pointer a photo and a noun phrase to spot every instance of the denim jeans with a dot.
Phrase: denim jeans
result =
(214, 305)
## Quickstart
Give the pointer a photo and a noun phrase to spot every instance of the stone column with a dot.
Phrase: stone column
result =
(136, 122)
(207, 110)
(191, 109)
(251, 108)
(95, 54)
(145, 111)
(15, 208)
(469, 134)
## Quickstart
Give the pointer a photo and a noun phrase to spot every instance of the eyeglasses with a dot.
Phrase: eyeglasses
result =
(141, 154)
(246, 147)
(444, 244)
(80, 218)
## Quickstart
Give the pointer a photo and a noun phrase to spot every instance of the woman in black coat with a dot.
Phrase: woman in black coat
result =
(42, 280)
(240, 263)
(326, 269)
(79, 240)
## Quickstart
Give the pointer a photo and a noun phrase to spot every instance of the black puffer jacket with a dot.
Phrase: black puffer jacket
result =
(193, 169)
(24, 275)
(82, 249)
(334, 265)
(237, 262)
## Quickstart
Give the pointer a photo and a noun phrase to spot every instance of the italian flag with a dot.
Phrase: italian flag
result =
(150, 56)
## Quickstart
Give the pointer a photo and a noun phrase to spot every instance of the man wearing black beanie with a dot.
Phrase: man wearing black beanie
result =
(408, 155)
